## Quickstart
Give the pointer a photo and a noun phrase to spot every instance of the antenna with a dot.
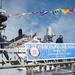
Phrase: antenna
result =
(1, 4)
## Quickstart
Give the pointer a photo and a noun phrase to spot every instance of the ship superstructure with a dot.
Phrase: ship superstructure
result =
(19, 59)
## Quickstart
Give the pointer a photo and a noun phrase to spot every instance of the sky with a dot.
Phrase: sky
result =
(60, 23)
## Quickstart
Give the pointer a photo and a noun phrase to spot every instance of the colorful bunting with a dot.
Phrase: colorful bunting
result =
(71, 10)
(43, 13)
(64, 11)
(56, 11)
(24, 13)
(29, 13)
(35, 12)
(51, 12)
(19, 15)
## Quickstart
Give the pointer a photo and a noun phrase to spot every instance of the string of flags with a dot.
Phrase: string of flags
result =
(64, 11)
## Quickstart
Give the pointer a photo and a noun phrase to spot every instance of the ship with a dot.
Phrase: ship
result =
(25, 57)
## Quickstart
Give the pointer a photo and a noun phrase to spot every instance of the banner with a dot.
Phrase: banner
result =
(49, 51)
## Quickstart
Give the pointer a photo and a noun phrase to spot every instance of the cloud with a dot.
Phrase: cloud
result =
(65, 26)
(60, 25)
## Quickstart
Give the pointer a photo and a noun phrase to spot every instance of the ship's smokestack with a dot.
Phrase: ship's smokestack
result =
(19, 32)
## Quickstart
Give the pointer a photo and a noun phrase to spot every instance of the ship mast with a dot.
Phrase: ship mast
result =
(3, 18)
(0, 8)
(1, 4)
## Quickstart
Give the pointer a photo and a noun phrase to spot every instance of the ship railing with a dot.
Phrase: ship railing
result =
(20, 54)
(17, 56)
(53, 72)
(17, 62)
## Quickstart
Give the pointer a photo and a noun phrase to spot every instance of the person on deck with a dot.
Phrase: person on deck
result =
(60, 39)
(2, 44)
